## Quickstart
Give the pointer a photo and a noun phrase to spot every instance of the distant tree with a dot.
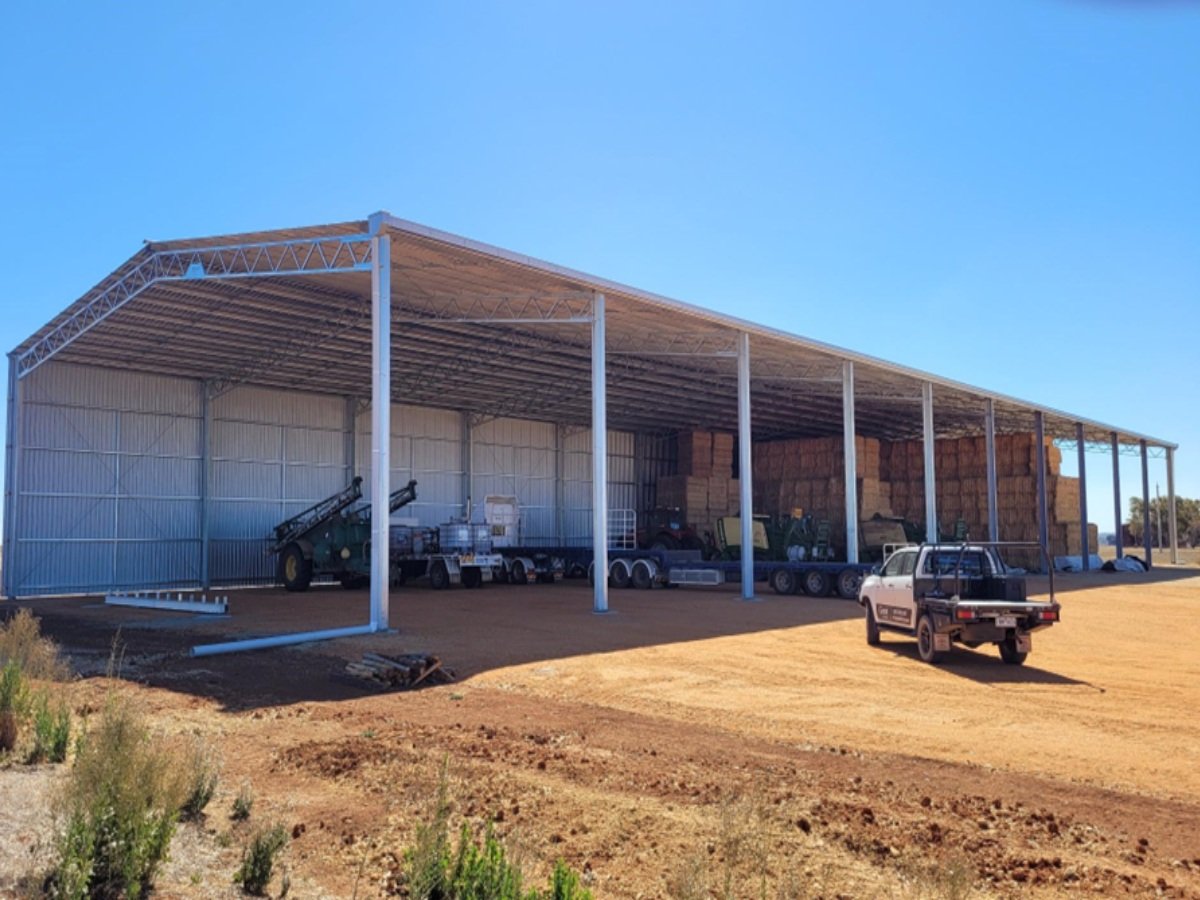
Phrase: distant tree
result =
(1187, 520)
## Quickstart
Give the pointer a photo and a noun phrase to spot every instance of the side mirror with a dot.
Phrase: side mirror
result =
(876, 570)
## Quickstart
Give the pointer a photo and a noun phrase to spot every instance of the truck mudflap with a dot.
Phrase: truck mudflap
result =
(941, 641)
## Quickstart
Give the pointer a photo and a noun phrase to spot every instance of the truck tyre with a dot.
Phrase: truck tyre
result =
(665, 541)
(472, 577)
(872, 627)
(517, 574)
(500, 574)
(925, 632)
(439, 575)
(1009, 652)
(618, 574)
(848, 583)
(816, 583)
(295, 571)
(783, 581)
(642, 579)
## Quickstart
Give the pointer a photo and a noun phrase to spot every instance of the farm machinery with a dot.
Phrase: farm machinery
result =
(331, 538)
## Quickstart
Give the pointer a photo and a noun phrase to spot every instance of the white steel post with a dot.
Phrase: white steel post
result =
(381, 425)
(11, 474)
(989, 439)
(1085, 549)
(1147, 537)
(1171, 506)
(851, 461)
(349, 437)
(1116, 458)
(205, 480)
(559, 496)
(467, 452)
(599, 461)
(745, 464)
(931, 524)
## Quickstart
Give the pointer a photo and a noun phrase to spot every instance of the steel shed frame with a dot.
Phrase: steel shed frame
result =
(387, 306)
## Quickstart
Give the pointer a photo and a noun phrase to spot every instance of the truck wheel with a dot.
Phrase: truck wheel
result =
(439, 575)
(816, 583)
(848, 583)
(665, 541)
(472, 577)
(500, 574)
(872, 627)
(641, 577)
(295, 572)
(783, 581)
(618, 575)
(1009, 652)
(517, 574)
(925, 631)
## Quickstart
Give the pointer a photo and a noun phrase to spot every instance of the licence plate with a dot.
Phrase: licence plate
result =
(1006, 621)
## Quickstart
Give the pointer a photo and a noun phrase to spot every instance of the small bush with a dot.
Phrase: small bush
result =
(118, 810)
(564, 884)
(51, 730)
(14, 700)
(242, 804)
(426, 862)
(202, 770)
(483, 873)
(21, 642)
(258, 859)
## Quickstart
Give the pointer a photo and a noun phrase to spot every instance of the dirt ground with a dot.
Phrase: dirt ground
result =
(683, 739)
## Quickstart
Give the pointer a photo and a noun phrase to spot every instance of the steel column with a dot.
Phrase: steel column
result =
(931, 527)
(1085, 549)
(559, 493)
(599, 461)
(467, 453)
(1117, 505)
(745, 464)
(1147, 543)
(11, 474)
(205, 481)
(989, 439)
(851, 461)
(350, 437)
(1171, 524)
(1039, 433)
(381, 425)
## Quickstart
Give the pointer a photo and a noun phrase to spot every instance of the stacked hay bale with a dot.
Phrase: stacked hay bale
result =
(961, 466)
(704, 490)
(809, 474)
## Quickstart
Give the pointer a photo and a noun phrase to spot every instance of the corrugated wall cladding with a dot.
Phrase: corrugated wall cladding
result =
(110, 475)
(108, 482)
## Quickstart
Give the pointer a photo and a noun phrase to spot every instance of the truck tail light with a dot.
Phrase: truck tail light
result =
(1048, 615)
(965, 614)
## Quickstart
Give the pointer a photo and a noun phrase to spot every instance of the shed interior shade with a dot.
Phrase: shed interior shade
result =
(492, 333)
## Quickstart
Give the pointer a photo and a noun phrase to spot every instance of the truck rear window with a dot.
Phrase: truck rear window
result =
(951, 562)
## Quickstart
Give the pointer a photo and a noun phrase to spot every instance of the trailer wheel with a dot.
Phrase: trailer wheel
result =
(848, 583)
(1009, 652)
(500, 574)
(872, 626)
(439, 575)
(517, 574)
(925, 632)
(619, 575)
(642, 577)
(816, 583)
(472, 577)
(295, 572)
(783, 581)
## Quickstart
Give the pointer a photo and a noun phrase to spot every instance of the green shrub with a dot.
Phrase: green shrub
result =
(258, 859)
(242, 804)
(14, 700)
(202, 770)
(483, 873)
(51, 730)
(564, 884)
(427, 861)
(118, 810)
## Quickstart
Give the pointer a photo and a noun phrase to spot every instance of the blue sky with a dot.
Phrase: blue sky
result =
(1005, 192)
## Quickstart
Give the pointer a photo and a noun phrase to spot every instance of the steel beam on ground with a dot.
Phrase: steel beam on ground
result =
(931, 526)
(989, 434)
(745, 464)
(599, 461)
(1147, 541)
(1116, 463)
(1039, 430)
(381, 426)
(1085, 547)
(850, 461)
(1171, 506)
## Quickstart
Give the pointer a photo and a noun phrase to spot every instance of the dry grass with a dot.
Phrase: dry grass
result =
(21, 642)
